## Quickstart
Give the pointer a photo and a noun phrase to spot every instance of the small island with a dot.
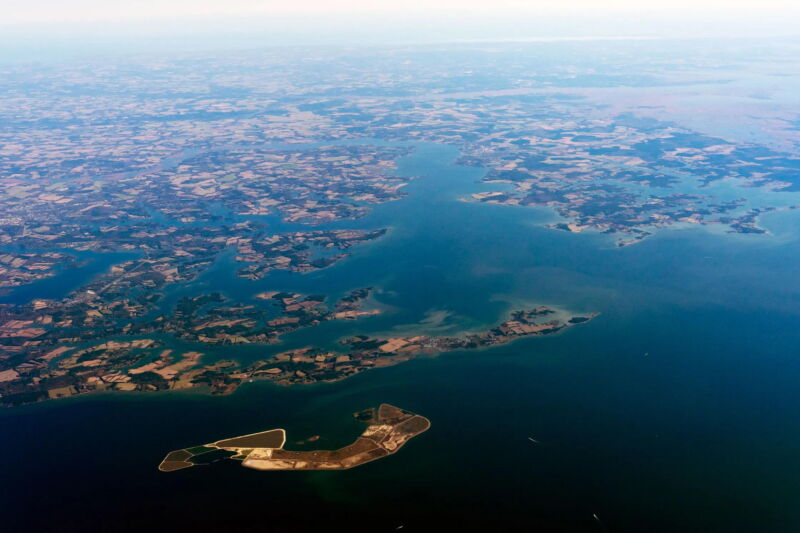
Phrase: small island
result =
(388, 429)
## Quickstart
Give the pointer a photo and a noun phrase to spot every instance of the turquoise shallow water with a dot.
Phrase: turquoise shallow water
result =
(675, 410)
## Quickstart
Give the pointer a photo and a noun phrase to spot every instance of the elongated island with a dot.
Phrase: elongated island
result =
(388, 429)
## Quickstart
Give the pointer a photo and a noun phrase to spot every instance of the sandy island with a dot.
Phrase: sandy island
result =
(389, 428)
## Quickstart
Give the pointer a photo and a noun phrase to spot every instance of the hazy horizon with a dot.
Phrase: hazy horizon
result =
(85, 30)
(392, 20)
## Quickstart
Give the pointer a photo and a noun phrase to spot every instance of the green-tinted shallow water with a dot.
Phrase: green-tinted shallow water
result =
(675, 410)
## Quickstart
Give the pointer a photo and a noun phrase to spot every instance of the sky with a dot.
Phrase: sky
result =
(33, 12)
(257, 22)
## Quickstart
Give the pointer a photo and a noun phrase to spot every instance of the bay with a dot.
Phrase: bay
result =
(675, 410)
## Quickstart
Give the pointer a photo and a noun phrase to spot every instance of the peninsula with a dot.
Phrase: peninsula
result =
(146, 364)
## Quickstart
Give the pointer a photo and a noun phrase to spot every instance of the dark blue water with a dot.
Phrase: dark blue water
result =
(68, 277)
(675, 410)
